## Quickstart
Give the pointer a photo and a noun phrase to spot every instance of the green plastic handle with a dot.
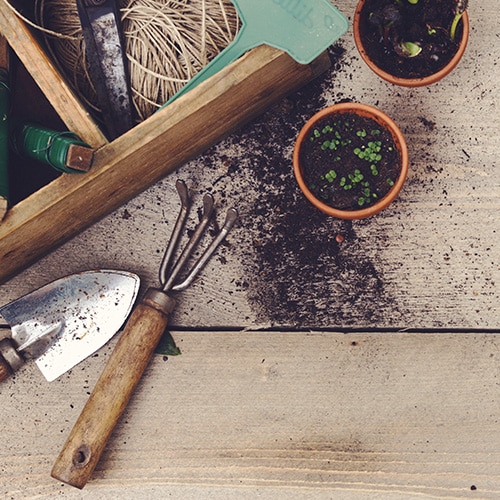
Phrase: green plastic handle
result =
(301, 28)
(45, 145)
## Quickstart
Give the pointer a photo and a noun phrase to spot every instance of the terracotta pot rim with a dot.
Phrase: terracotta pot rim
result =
(369, 112)
(410, 82)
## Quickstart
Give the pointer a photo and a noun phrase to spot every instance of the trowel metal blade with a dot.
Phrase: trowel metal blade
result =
(90, 307)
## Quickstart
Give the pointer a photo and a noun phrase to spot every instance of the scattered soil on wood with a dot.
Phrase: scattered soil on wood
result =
(302, 269)
(426, 23)
(349, 162)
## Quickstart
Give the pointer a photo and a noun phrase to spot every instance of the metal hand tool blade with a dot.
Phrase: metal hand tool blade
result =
(107, 62)
(74, 315)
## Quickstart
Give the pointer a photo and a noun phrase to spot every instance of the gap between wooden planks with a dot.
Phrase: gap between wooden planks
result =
(277, 415)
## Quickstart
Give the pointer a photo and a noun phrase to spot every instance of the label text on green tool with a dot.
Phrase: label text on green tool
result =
(298, 10)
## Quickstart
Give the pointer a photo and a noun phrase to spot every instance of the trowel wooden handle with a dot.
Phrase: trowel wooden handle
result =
(110, 396)
(5, 371)
(10, 359)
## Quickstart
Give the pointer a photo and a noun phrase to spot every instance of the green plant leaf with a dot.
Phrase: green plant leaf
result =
(410, 49)
(167, 346)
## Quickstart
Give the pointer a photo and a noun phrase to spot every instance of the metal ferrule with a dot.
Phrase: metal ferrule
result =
(159, 300)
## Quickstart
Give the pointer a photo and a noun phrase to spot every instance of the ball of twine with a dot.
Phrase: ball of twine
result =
(166, 43)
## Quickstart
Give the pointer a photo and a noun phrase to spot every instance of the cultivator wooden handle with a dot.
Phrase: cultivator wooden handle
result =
(111, 394)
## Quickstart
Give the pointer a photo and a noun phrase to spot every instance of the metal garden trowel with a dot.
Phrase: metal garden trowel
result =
(301, 28)
(64, 322)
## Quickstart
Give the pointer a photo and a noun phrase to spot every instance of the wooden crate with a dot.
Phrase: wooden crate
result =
(128, 165)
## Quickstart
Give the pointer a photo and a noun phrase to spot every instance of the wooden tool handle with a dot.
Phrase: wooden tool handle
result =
(10, 359)
(5, 370)
(112, 391)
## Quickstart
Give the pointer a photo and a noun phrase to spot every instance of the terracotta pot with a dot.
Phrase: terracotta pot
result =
(409, 82)
(383, 121)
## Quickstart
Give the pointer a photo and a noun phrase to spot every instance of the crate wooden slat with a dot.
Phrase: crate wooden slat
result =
(142, 156)
(43, 71)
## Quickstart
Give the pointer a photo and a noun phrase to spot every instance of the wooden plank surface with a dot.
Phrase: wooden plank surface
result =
(430, 261)
(276, 415)
(290, 414)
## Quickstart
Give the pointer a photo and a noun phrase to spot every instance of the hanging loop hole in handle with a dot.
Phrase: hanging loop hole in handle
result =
(82, 456)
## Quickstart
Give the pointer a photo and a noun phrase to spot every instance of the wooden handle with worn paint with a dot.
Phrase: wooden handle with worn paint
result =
(5, 370)
(10, 359)
(110, 396)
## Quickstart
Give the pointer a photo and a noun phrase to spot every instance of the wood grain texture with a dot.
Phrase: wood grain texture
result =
(145, 154)
(5, 370)
(111, 394)
(240, 415)
(44, 72)
(4, 66)
(3, 207)
(287, 414)
(428, 261)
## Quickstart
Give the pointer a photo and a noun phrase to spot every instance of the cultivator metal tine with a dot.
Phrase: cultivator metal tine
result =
(208, 207)
(182, 190)
(169, 276)
(231, 217)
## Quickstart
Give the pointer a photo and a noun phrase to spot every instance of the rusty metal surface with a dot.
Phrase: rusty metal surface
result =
(100, 22)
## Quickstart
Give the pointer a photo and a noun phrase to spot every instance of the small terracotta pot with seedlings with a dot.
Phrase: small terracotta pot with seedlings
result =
(350, 160)
(411, 42)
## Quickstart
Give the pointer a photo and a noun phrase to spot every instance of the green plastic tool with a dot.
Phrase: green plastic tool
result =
(301, 28)
(64, 151)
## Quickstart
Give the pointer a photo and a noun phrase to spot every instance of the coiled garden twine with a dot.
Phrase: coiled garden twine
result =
(166, 41)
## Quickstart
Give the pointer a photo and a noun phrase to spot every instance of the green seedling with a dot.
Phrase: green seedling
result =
(331, 175)
(370, 152)
(460, 8)
(360, 180)
(408, 49)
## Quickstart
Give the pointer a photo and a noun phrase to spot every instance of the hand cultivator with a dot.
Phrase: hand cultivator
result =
(134, 349)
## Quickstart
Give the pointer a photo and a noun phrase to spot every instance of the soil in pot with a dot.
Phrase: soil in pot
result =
(349, 162)
(392, 31)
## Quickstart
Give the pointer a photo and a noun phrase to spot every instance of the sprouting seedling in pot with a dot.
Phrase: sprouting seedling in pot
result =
(407, 49)
(460, 8)
(386, 20)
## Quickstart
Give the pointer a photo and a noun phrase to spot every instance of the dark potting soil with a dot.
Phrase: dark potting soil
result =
(349, 162)
(302, 268)
(426, 23)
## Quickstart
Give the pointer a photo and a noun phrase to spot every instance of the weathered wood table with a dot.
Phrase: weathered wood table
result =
(310, 368)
